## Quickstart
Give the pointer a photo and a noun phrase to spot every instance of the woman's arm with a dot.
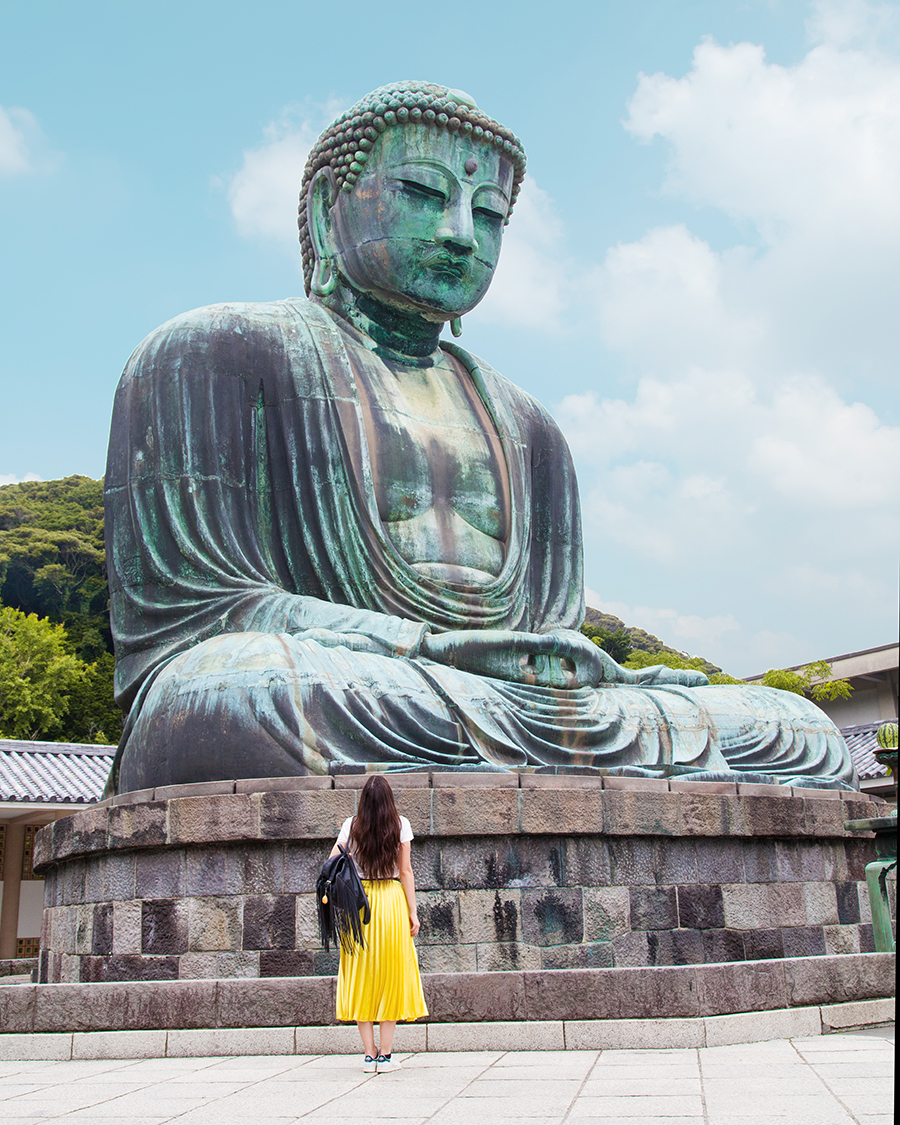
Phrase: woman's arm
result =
(408, 882)
(343, 838)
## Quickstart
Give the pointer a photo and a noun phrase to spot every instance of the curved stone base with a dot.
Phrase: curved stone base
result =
(678, 1006)
(514, 872)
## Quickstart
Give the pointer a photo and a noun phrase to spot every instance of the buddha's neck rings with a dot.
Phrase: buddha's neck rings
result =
(402, 335)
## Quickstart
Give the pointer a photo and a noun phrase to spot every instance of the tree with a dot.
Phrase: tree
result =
(36, 674)
(53, 565)
(52, 558)
(617, 642)
(641, 659)
(812, 680)
(93, 715)
(724, 678)
(598, 623)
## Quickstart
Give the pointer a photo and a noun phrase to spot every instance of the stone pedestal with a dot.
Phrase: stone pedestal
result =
(513, 872)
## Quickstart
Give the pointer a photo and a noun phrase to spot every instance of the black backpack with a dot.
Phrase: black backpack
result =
(340, 897)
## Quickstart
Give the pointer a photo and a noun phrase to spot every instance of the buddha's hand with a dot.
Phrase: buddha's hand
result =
(659, 675)
(564, 659)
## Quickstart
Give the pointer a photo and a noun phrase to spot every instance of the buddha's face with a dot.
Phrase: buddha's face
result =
(421, 230)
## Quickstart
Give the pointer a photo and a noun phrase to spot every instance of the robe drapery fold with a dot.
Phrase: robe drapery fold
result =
(265, 625)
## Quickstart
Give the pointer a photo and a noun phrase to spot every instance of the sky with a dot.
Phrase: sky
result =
(701, 279)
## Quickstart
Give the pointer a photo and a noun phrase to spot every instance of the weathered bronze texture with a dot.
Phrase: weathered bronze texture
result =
(336, 541)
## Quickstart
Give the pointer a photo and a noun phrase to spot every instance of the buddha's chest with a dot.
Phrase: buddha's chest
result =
(438, 466)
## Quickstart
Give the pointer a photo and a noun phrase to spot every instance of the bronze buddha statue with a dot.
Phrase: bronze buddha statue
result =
(336, 539)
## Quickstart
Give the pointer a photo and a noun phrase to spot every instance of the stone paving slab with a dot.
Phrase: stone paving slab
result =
(845, 1078)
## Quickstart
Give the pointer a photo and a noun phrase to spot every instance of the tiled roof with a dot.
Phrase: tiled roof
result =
(55, 772)
(861, 743)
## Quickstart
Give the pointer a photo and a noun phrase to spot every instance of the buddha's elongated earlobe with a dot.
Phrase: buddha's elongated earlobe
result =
(324, 278)
(456, 326)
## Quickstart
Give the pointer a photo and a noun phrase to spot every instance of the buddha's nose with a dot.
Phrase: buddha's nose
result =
(460, 238)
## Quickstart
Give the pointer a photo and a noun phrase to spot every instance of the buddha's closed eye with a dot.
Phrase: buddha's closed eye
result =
(423, 191)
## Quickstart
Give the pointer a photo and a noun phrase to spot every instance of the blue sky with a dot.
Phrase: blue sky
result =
(701, 279)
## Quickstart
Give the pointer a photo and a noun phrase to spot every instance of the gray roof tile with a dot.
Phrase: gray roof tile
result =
(55, 772)
(862, 744)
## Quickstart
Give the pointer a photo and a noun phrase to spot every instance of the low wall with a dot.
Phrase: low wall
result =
(514, 872)
(671, 992)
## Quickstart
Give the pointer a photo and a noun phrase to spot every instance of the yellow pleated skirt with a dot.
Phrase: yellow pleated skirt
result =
(381, 981)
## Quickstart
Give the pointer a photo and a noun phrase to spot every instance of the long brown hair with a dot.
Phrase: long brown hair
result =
(375, 831)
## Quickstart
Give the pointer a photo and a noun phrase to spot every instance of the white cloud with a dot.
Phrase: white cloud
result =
(797, 146)
(719, 445)
(752, 449)
(848, 23)
(821, 451)
(22, 145)
(668, 300)
(800, 440)
(9, 479)
(263, 193)
(786, 498)
(806, 156)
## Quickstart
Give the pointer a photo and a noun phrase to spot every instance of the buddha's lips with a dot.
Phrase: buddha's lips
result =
(442, 262)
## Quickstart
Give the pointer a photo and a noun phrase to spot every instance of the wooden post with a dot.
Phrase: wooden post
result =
(12, 881)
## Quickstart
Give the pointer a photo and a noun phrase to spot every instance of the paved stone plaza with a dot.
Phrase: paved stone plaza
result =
(843, 1079)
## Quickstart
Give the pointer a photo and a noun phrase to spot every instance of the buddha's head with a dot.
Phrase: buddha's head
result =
(405, 198)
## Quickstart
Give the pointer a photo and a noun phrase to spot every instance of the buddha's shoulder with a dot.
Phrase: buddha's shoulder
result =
(237, 322)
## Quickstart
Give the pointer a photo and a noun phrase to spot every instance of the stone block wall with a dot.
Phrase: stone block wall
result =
(513, 872)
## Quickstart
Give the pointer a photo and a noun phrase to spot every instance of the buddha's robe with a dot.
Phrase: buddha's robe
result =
(265, 624)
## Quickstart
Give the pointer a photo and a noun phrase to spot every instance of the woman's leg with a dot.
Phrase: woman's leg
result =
(367, 1034)
(386, 1036)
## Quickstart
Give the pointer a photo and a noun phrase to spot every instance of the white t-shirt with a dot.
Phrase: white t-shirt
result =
(406, 835)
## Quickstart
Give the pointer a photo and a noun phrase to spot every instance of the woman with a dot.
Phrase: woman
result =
(379, 983)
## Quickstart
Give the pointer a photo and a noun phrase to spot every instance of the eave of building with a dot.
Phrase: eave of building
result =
(39, 812)
(866, 662)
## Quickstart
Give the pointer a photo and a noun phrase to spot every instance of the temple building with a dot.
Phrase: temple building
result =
(39, 782)
(873, 675)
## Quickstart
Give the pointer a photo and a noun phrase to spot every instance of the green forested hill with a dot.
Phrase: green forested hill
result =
(632, 643)
(53, 565)
(52, 559)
